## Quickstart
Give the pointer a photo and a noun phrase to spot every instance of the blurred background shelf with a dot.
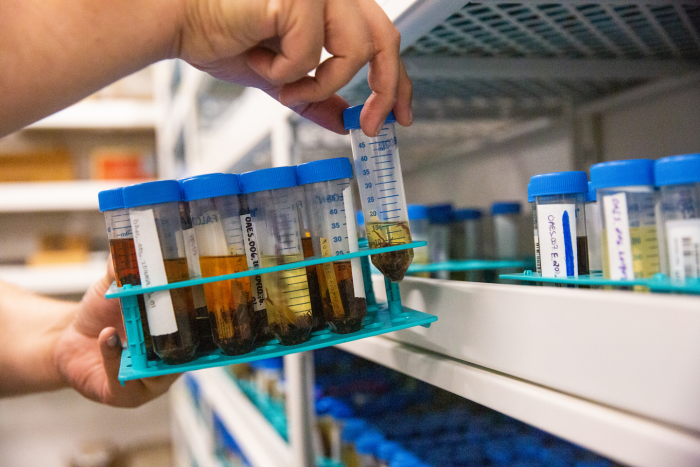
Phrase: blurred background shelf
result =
(260, 442)
(58, 279)
(102, 114)
(75, 195)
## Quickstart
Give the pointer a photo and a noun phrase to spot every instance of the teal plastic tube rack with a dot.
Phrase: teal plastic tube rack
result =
(381, 318)
(658, 283)
(467, 265)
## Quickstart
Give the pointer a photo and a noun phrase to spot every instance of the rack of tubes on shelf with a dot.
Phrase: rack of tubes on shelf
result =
(658, 283)
(381, 318)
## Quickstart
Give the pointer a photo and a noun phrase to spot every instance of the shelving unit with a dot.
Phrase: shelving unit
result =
(102, 114)
(611, 371)
(59, 279)
(194, 440)
(606, 370)
(77, 195)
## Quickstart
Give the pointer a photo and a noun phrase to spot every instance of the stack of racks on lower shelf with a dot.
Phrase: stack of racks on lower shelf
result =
(381, 318)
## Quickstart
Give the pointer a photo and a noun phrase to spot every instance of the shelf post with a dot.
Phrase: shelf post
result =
(299, 373)
(134, 331)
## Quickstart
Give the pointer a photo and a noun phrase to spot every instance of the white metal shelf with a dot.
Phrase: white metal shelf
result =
(76, 195)
(60, 279)
(102, 114)
(616, 434)
(257, 438)
(612, 371)
(188, 428)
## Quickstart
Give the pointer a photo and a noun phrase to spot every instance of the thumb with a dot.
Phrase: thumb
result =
(111, 349)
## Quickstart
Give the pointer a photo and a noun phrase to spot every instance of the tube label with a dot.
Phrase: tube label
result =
(617, 234)
(683, 238)
(252, 252)
(557, 243)
(193, 267)
(159, 305)
(358, 282)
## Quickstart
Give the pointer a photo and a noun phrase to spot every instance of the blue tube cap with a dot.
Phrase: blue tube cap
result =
(351, 117)
(530, 198)
(676, 170)
(340, 411)
(622, 173)
(591, 196)
(468, 214)
(353, 428)
(558, 183)
(368, 442)
(209, 186)
(110, 199)
(440, 214)
(387, 449)
(324, 170)
(164, 191)
(268, 179)
(417, 212)
(505, 207)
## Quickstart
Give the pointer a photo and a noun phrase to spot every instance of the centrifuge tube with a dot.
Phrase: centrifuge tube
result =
(625, 192)
(561, 217)
(469, 221)
(440, 235)
(206, 338)
(213, 201)
(274, 194)
(154, 213)
(383, 200)
(678, 179)
(506, 228)
(329, 204)
(121, 245)
(593, 231)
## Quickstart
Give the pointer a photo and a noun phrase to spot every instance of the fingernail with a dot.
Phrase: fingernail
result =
(379, 128)
(113, 341)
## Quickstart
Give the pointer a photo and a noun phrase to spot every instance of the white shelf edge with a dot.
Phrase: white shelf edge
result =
(260, 442)
(76, 195)
(619, 435)
(59, 279)
(191, 427)
(102, 114)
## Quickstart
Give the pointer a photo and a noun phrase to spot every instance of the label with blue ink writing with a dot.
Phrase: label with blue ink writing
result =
(252, 250)
(617, 234)
(159, 305)
(557, 240)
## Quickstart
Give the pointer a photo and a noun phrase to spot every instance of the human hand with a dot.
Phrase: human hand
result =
(273, 45)
(88, 352)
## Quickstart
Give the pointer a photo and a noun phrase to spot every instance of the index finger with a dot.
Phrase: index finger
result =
(385, 76)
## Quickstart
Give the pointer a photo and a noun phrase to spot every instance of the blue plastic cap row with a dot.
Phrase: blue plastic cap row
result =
(274, 363)
(468, 214)
(676, 170)
(404, 459)
(209, 186)
(558, 183)
(591, 196)
(369, 442)
(505, 207)
(351, 117)
(417, 212)
(164, 191)
(110, 199)
(634, 172)
(440, 214)
(530, 198)
(324, 170)
(268, 179)
(353, 428)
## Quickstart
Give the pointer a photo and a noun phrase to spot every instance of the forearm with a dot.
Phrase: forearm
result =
(30, 326)
(53, 53)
